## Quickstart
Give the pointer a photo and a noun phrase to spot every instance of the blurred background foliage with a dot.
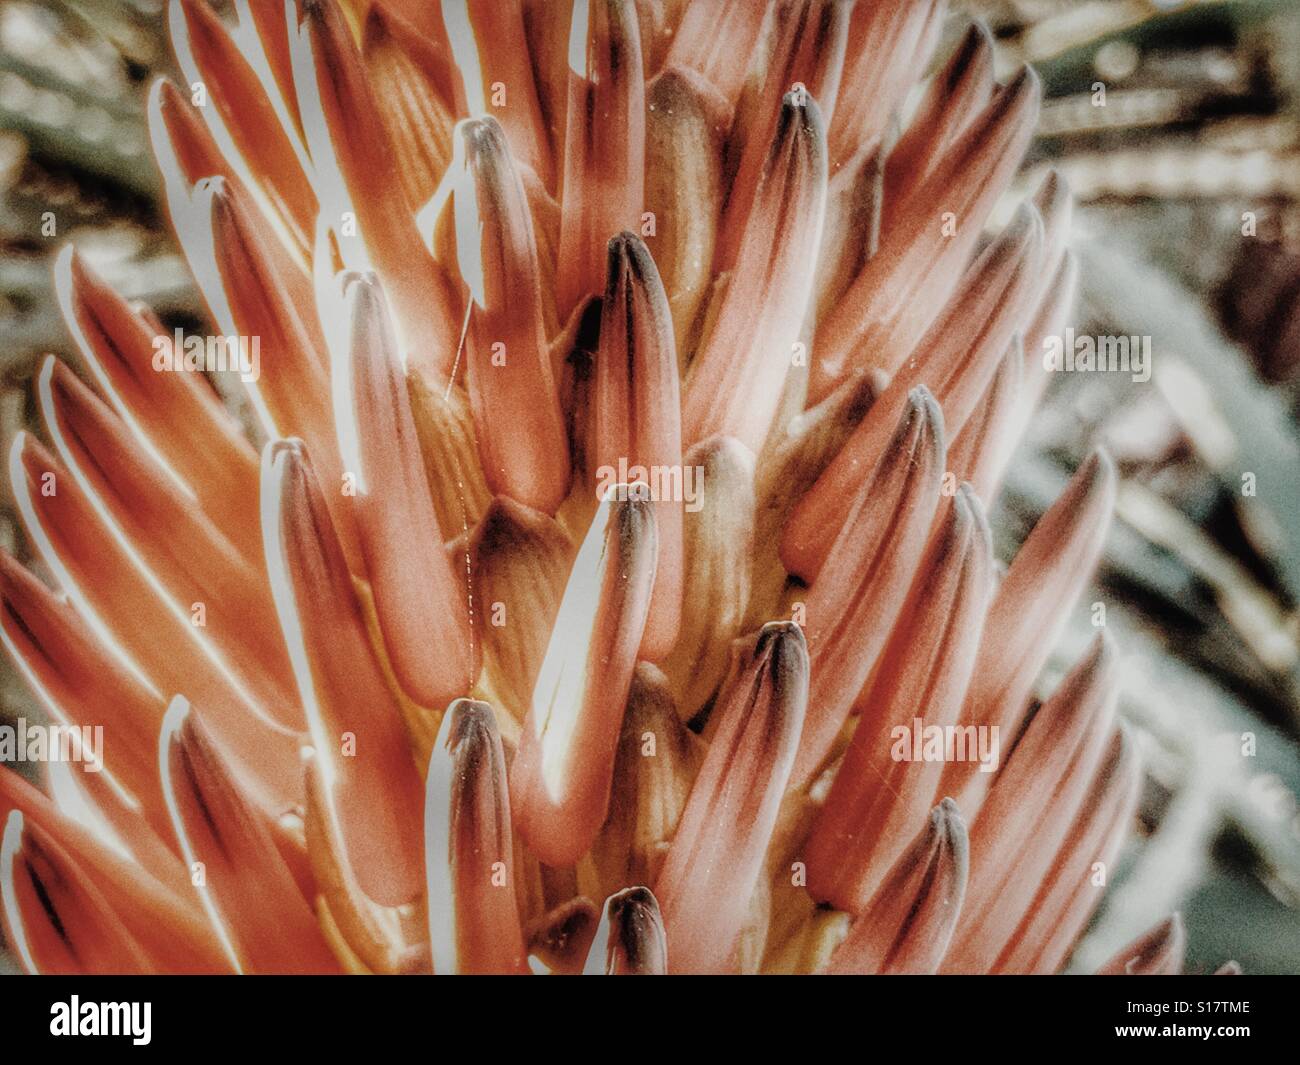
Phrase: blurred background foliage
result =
(1175, 123)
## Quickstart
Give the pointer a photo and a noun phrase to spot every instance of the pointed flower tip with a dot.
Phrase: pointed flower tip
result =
(784, 649)
(627, 256)
(799, 106)
(908, 924)
(473, 919)
(1053, 191)
(970, 513)
(178, 712)
(922, 404)
(1025, 88)
(946, 809)
(948, 827)
(920, 430)
(977, 36)
(1159, 951)
(467, 724)
(631, 941)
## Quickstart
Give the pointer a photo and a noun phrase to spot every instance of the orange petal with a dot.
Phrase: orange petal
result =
(859, 591)
(889, 48)
(954, 98)
(956, 359)
(183, 145)
(1069, 895)
(604, 158)
(560, 779)
(192, 560)
(877, 798)
(366, 935)
(638, 418)
(243, 112)
(71, 673)
(904, 286)
(254, 291)
(269, 20)
(142, 625)
(264, 923)
(355, 163)
(711, 40)
(517, 416)
(98, 802)
(1030, 609)
(807, 39)
(421, 607)
(55, 919)
(1035, 798)
(408, 71)
(469, 861)
(1159, 952)
(716, 857)
(362, 750)
(906, 928)
(855, 200)
(169, 929)
(499, 62)
(117, 344)
(739, 373)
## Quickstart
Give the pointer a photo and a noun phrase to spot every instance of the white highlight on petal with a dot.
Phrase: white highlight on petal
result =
(57, 713)
(105, 515)
(438, 874)
(458, 186)
(598, 955)
(274, 459)
(63, 292)
(191, 215)
(13, 839)
(464, 53)
(177, 712)
(561, 686)
(45, 548)
(250, 45)
(327, 179)
(578, 37)
(180, 36)
(342, 301)
(71, 798)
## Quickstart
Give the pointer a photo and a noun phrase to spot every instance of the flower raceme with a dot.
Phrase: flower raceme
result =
(419, 689)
